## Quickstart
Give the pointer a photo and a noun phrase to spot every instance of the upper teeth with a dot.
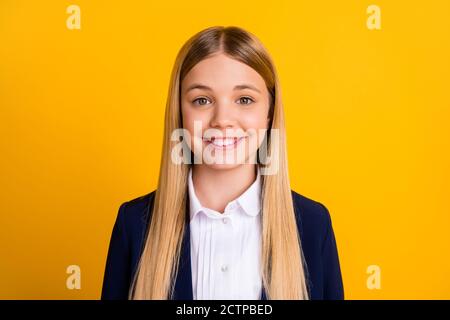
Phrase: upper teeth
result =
(223, 142)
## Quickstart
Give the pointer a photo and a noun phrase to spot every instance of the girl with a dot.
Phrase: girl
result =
(223, 229)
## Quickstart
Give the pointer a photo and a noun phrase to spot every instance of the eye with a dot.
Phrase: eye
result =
(201, 101)
(246, 100)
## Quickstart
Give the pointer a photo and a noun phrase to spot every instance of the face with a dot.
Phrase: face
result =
(225, 108)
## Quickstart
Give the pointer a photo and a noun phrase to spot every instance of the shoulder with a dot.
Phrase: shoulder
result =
(136, 206)
(125, 247)
(313, 220)
(319, 248)
(311, 212)
(313, 217)
(133, 214)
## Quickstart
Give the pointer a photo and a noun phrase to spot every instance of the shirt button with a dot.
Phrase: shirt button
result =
(225, 220)
(224, 268)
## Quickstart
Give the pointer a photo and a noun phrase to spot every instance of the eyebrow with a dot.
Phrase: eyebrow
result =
(238, 87)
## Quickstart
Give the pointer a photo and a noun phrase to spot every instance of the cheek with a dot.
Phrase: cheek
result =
(190, 119)
(254, 120)
(190, 115)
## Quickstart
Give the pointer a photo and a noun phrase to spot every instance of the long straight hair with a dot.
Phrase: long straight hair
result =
(283, 268)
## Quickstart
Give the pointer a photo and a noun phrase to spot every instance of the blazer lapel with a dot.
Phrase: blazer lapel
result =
(183, 282)
(263, 294)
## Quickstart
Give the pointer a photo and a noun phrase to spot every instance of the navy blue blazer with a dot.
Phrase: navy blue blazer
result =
(323, 274)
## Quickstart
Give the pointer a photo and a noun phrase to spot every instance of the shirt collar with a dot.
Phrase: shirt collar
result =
(250, 200)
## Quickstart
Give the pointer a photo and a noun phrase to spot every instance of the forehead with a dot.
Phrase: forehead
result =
(222, 72)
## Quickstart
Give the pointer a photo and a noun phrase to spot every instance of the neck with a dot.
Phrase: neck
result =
(215, 188)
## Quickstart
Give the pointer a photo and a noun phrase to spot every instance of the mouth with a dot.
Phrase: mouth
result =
(224, 143)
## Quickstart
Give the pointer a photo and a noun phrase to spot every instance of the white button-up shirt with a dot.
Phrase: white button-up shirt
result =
(226, 248)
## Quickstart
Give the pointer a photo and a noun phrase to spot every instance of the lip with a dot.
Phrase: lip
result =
(237, 140)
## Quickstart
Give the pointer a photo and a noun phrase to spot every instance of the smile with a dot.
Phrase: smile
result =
(224, 143)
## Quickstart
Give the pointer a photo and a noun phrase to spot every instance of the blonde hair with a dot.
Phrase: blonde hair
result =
(283, 269)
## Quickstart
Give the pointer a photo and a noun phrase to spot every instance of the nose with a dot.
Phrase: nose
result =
(223, 116)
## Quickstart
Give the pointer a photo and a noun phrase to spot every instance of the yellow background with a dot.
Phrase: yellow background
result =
(367, 117)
